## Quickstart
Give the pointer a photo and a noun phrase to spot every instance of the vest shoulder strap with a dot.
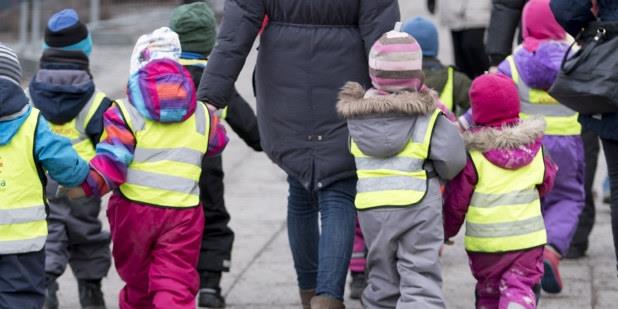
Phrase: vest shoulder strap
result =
(94, 126)
(134, 120)
(513, 67)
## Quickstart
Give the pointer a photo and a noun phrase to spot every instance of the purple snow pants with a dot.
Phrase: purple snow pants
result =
(562, 206)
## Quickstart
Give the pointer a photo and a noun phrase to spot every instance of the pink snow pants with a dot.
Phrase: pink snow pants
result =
(155, 251)
(359, 251)
(505, 280)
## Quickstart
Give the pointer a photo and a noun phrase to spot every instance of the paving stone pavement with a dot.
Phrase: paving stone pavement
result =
(262, 274)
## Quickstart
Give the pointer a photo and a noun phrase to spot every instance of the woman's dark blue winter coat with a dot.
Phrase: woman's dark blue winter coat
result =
(309, 50)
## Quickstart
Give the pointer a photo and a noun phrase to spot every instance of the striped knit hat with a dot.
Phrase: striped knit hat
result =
(396, 63)
(9, 65)
(66, 31)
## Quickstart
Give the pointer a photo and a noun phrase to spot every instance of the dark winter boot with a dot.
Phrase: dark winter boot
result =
(305, 297)
(326, 302)
(90, 294)
(357, 285)
(51, 299)
(211, 298)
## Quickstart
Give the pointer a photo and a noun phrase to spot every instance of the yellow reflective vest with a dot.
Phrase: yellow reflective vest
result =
(505, 209)
(400, 180)
(75, 130)
(166, 164)
(22, 206)
(560, 119)
(448, 92)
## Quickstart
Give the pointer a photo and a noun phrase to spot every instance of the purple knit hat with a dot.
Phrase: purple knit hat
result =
(396, 63)
(163, 91)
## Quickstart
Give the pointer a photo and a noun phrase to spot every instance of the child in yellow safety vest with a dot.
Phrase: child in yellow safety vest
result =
(450, 83)
(151, 158)
(196, 26)
(534, 66)
(403, 147)
(28, 149)
(498, 194)
(64, 91)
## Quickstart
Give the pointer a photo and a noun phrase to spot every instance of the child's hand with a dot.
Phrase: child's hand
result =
(70, 193)
(447, 242)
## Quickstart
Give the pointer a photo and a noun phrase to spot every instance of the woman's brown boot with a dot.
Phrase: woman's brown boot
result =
(305, 297)
(326, 302)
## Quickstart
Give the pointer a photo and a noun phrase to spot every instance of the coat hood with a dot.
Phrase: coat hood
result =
(354, 102)
(60, 94)
(163, 91)
(509, 147)
(12, 98)
(539, 69)
(381, 126)
(14, 109)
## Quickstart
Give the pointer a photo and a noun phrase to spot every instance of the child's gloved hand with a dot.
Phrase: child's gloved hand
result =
(70, 193)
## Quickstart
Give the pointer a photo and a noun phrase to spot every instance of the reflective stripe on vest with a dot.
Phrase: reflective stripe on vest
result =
(75, 130)
(505, 209)
(23, 227)
(399, 180)
(447, 93)
(560, 119)
(167, 160)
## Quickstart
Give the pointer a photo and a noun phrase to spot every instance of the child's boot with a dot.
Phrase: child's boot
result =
(551, 282)
(357, 285)
(210, 291)
(305, 297)
(326, 302)
(90, 294)
(51, 299)
(211, 298)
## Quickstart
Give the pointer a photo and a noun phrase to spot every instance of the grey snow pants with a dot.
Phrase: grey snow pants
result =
(76, 237)
(403, 261)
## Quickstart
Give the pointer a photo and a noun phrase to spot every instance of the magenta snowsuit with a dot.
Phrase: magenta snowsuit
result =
(502, 278)
(156, 247)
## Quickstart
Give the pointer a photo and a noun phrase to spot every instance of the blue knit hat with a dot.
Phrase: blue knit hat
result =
(65, 31)
(425, 33)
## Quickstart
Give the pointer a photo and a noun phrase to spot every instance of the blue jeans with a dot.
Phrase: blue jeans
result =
(321, 261)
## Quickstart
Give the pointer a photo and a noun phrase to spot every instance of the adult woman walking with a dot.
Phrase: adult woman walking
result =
(574, 15)
(307, 53)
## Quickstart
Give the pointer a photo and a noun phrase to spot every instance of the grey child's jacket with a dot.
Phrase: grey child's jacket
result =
(382, 126)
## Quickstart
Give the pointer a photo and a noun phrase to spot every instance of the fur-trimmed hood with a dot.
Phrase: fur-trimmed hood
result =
(354, 103)
(511, 146)
(381, 126)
